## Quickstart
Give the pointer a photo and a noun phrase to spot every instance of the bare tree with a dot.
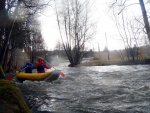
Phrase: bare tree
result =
(74, 27)
(123, 4)
(129, 28)
(145, 18)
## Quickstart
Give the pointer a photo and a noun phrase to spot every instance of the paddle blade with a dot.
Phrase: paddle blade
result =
(9, 78)
(62, 74)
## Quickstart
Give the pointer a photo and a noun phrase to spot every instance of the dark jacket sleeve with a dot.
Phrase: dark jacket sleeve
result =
(31, 65)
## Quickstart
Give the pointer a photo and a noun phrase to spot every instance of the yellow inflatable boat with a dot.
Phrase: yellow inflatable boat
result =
(47, 76)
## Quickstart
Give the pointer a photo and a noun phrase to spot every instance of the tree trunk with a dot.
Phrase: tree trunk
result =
(2, 27)
(2, 18)
(145, 18)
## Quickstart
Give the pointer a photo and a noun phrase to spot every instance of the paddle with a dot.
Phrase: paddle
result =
(61, 73)
(11, 77)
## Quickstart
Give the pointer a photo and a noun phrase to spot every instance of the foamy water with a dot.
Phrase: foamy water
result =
(96, 89)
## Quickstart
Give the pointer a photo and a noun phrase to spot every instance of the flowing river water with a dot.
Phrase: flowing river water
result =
(95, 89)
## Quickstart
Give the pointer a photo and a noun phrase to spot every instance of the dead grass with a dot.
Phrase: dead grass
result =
(113, 59)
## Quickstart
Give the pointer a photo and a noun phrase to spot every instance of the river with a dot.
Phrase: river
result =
(95, 89)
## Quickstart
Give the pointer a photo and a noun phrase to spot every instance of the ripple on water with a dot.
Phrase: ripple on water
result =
(97, 89)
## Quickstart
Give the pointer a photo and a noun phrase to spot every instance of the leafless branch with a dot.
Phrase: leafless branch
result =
(124, 7)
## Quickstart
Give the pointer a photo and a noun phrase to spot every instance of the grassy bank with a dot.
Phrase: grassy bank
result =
(93, 62)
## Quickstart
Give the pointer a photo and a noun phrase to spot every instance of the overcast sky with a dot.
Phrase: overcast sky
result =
(105, 25)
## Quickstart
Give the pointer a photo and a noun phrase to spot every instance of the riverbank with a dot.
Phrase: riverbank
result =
(11, 98)
(96, 62)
